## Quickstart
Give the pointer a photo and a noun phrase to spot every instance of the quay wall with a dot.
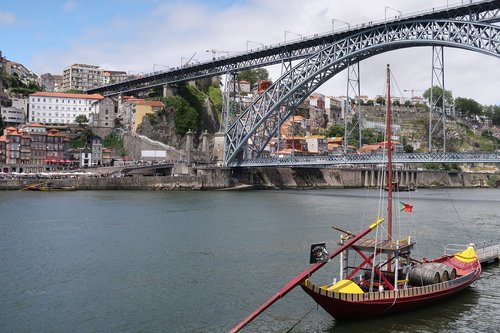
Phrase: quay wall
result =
(269, 178)
(353, 178)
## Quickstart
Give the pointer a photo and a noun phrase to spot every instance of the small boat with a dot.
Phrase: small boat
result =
(387, 279)
(47, 186)
(396, 187)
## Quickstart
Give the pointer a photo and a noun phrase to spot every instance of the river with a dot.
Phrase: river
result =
(137, 261)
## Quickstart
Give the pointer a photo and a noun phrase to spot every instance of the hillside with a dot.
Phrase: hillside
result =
(194, 106)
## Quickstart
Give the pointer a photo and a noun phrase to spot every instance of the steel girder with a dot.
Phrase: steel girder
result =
(257, 125)
(370, 159)
(487, 11)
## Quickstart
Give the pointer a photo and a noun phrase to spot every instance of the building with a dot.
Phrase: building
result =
(50, 82)
(132, 111)
(317, 144)
(33, 148)
(11, 146)
(12, 116)
(62, 108)
(38, 134)
(109, 77)
(106, 115)
(82, 77)
(96, 144)
(17, 69)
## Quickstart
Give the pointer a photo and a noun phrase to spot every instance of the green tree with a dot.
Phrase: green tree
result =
(74, 91)
(495, 115)
(467, 107)
(438, 96)
(254, 75)
(335, 130)
(81, 120)
(408, 104)
(380, 100)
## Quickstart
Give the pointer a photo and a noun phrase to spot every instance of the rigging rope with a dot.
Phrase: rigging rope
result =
(307, 313)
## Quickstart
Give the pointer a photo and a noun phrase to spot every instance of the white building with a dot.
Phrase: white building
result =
(12, 116)
(62, 108)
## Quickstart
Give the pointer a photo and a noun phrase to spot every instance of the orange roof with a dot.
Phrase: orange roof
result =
(36, 125)
(149, 103)
(335, 139)
(65, 95)
(369, 148)
(288, 151)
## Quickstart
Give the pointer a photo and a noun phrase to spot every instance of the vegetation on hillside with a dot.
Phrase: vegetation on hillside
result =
(15, 86)
(114, 141)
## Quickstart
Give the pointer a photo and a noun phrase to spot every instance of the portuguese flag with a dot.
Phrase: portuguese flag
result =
(404, 207)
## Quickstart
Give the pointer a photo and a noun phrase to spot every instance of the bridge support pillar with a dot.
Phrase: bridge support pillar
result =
(189, 146)
(169, 91)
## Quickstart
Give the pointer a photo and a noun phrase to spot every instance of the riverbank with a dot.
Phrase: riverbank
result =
(269, 178)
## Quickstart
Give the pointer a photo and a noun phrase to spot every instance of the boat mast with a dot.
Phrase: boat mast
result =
(389, 164)
(389, 157)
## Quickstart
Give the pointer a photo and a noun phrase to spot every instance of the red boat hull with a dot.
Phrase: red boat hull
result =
(355, 306)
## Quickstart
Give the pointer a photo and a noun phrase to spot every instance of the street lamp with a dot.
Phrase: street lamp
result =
(346, 23)
(251, 41)
(291, 32)
(385, 12)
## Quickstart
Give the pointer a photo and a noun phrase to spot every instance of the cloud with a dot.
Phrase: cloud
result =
(69, 6)
(7, 18)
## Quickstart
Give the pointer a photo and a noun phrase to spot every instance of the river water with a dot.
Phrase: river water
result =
(129, 261)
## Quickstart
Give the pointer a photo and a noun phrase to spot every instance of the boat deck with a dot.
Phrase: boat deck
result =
(385, 246)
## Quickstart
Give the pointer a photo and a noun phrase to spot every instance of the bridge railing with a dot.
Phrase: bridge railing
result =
(378, 158)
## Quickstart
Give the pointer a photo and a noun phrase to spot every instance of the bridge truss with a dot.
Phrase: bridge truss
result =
(248, 136)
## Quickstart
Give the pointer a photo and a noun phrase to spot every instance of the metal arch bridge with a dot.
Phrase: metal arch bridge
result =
(469, 27)
(252, 130)
(297, 161)
(481, 11)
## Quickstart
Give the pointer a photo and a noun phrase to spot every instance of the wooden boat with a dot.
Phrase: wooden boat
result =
(388, 279)
(47, 186)
(396, 187)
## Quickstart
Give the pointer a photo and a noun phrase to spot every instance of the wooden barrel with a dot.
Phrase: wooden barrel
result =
(444, 270)
(422, 275)
(452, 274)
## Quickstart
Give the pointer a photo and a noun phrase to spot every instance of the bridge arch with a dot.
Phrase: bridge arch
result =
(253, 128)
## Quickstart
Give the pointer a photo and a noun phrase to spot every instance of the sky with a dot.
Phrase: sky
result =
(142, 36)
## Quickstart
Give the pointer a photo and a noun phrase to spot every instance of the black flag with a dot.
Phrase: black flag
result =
(318, 253)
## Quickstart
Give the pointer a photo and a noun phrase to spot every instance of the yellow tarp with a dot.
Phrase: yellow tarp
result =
(468, 255)
(345, 286)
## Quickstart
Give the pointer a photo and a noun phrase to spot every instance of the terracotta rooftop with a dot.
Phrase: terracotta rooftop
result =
(66, 95)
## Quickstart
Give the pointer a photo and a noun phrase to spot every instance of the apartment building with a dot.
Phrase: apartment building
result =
(82, 77)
